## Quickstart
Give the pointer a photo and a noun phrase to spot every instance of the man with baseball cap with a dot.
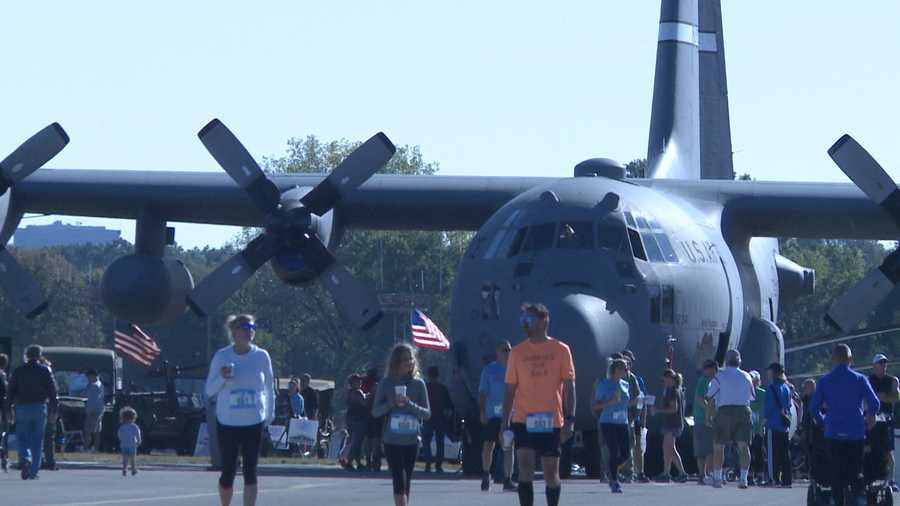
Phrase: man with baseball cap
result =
(887, 389)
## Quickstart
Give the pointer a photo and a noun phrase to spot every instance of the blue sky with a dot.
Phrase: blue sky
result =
(485, 88)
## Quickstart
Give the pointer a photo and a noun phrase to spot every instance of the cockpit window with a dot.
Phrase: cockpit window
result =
(657, 246)
(629, 219)
(637, 249)
(666, 246)
(654, 253)
(642, 223)
(498, 239)
(610, 235)
(575, 235)
(540, 238)
(517, 242)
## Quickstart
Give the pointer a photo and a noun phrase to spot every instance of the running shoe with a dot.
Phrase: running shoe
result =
(641, 478)
(743, 484)
(717, 483)
(509, 486)
(663, 478)
(485, 482)
(681, 478)
(615, 488)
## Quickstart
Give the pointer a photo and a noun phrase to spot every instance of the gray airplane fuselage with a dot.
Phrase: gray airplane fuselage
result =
(654, 266)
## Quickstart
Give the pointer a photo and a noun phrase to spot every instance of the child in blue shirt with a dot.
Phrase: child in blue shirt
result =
(129, 438)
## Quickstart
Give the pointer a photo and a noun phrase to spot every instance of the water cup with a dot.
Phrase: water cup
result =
(507, 438)
(400, 390)
(230, 368)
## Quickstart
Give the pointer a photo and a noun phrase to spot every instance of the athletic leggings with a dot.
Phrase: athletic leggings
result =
(245, 439)
(615, 435)
(401, 461)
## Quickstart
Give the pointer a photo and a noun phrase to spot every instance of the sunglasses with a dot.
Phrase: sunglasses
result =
(528, 320)
(248, 326)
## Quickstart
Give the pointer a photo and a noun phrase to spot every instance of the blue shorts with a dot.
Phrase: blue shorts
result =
(129, 452)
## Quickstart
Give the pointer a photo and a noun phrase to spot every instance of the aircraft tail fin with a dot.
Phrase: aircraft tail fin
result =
(690, 135)
(715, 123)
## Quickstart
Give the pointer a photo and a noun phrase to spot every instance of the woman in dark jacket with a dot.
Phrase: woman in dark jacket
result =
(777, 410)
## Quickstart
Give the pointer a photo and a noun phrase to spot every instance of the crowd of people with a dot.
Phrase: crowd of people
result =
(526, 402)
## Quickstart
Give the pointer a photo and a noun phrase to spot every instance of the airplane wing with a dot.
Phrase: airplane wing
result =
(383, 202)
(787, 209)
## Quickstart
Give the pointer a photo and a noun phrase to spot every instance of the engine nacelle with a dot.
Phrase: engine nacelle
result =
(146, 289)
(794, 281)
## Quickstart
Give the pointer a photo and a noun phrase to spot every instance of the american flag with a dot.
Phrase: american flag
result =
(137, 346)
(425, 333)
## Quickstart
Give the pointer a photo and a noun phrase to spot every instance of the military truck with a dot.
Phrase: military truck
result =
(170, 419)
(70, 365)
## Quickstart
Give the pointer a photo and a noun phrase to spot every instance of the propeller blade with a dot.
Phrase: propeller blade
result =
(221, 283)
(33, 153)
(866, 174)
(20, 286)
(358, 167)
(353, 299)
(228, 151)
(854, 305)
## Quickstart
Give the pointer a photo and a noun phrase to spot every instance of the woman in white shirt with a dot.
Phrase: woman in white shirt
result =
(240, 378)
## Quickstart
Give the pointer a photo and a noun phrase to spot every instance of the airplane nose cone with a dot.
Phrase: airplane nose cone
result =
(593, 333)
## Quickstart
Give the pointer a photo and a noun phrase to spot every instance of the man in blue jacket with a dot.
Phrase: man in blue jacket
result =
(843, 392)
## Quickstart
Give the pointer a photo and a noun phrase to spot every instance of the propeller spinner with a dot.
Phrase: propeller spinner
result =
(17, 283)
(861, 299)
(291, 230)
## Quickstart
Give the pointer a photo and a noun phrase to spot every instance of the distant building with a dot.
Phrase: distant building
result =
(62, 234)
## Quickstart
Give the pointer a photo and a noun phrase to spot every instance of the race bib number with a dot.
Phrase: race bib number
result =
(539, 422)
(241, 398)
(404, 424)
(620, 416)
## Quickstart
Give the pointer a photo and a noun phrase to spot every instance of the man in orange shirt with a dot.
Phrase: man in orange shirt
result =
(540, 398)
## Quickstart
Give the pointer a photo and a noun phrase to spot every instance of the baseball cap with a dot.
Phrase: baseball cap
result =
(628, 354)
(879, 358)
(776, 367)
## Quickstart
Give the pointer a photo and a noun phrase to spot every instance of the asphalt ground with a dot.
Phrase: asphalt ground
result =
(90, 485)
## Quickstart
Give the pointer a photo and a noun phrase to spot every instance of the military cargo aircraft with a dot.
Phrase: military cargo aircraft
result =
(684, 261)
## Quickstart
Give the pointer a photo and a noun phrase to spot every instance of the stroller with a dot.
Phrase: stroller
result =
(877, 490)
(875, 470)
(819, 492)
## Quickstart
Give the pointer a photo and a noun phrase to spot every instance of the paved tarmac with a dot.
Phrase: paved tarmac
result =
(92, 486)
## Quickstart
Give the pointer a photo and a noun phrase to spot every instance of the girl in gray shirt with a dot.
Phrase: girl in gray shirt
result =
(402, 399)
